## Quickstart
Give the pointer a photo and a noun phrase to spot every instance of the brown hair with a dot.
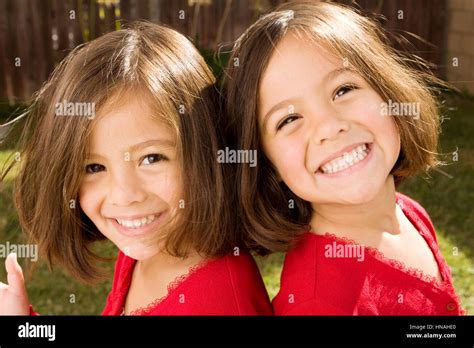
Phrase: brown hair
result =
(143, 58)
(269, 222)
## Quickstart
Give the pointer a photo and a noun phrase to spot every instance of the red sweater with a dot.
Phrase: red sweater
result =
(314, 284)
(229, 285)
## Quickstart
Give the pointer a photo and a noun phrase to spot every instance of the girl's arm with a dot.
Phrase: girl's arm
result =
(13, 296)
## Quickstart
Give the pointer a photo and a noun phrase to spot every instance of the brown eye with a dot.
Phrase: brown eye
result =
(287, 120)
(343, 90)
(94, 168)
(153, 158)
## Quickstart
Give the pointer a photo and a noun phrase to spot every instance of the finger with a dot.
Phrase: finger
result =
(15, 274)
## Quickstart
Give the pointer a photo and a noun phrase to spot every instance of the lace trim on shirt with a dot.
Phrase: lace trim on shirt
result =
(444, 285)
(444, 270)
(443, 266)
(172, 286)
(417, 273)
(447, 283)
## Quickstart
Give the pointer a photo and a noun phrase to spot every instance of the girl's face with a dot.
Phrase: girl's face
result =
(132, 180)
(321, 126)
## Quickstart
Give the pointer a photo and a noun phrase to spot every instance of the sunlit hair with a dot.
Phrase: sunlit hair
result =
(149, 60)
(350, 37)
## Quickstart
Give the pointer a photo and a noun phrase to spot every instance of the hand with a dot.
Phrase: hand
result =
(13, 296)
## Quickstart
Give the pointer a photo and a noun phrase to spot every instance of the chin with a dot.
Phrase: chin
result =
(353, 195)
(360, 194)
(139, 252)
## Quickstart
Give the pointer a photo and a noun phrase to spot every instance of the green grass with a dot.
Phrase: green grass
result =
(448, 200)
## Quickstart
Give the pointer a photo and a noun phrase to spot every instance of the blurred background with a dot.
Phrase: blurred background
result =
(35, 35)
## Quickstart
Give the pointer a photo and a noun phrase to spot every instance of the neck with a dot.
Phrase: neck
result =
(164, 261)
(373, 217)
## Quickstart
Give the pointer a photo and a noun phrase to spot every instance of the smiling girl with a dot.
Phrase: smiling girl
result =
(141, 171)
(310, 92)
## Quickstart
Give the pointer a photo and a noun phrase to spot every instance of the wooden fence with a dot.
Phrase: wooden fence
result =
(36, 34)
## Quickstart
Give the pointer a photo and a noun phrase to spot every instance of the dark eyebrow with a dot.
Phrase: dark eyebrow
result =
(287, 102)
(136, 147)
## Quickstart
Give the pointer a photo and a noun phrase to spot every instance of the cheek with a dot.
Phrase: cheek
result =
(167, 186)
(388, 138)
(394, 139)
(288, 157)
(89, 200)
(383, 127)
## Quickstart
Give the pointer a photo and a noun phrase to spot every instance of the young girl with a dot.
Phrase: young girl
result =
(120, 144)
(313, 86)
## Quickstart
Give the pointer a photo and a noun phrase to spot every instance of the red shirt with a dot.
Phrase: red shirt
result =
(314, 284)
(229, 285)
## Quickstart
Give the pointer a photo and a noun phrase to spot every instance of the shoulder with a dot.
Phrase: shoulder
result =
(304, 248)
(236, 282)
(241, 262)
(298, 276)
(123, 268)
(240, 267)
(245, 276)
(299, 259)
(412, 207)
(121, 282)
(410, 203)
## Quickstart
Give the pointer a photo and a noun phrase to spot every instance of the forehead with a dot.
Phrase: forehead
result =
(296, 49)
(126, 120)
(296, 61)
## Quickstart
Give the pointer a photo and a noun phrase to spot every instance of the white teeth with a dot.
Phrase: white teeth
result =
(137, 222)
(345, 161)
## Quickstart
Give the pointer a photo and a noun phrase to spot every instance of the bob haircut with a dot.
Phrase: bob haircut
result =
(270, 223)
(150, 60)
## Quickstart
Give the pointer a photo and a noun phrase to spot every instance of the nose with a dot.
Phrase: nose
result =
(125, 188)
(327, 125)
